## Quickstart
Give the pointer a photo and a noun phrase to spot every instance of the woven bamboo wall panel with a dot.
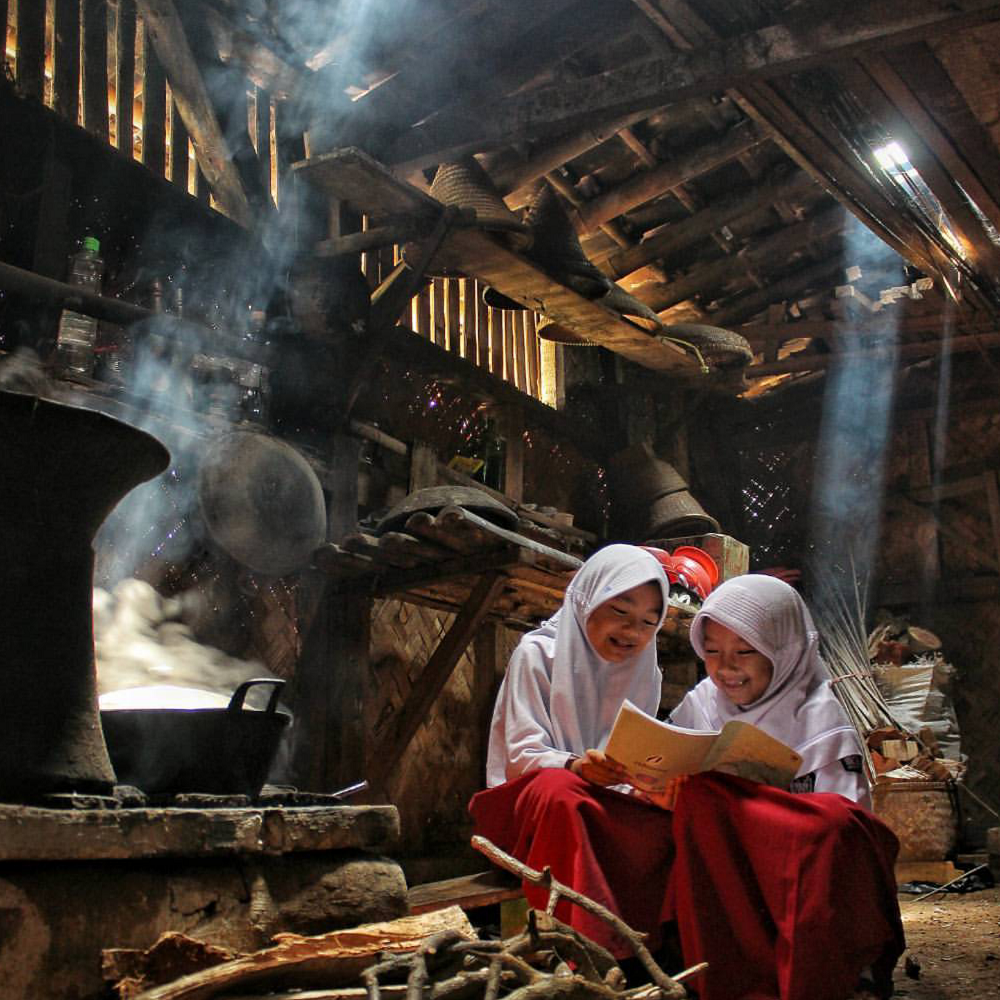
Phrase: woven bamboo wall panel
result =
(443, 766)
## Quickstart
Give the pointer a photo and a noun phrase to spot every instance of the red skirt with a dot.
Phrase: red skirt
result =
(787, 897)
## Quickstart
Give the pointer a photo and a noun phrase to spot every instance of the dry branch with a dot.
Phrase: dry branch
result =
(671, 988)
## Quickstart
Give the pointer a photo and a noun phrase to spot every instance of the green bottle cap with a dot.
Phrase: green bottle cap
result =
(92, 244)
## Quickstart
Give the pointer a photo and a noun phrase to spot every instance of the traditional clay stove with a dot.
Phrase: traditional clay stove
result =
(86, 866)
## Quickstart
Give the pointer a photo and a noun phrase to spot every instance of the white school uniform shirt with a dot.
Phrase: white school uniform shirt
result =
(798, 706)
(559, 698)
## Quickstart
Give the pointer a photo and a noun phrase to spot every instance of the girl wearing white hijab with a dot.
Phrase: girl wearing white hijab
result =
(764, 616)
(553, 798)
(786, 896)
(560, 695)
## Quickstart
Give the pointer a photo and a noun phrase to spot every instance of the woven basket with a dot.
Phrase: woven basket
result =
(466, 185)
(922, 814)
(719, 347)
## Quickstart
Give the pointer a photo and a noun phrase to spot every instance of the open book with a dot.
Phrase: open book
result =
(653, 752)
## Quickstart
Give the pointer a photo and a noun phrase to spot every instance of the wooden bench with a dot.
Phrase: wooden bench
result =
(467, 891)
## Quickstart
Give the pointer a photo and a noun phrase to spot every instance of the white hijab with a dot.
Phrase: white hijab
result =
(559, 698)
(798, 706)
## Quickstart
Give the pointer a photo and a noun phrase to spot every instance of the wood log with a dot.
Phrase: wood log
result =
(334, 959)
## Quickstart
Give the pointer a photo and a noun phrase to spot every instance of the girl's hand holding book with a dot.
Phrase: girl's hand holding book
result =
(594, 766)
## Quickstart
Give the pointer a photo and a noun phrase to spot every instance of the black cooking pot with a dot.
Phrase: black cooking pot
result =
(213, 751)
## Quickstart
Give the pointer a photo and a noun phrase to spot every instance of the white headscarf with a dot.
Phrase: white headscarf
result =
(559, 697)
(798, 706)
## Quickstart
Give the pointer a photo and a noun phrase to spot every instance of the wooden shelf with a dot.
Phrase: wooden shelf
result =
(436, 559)
(351, 175)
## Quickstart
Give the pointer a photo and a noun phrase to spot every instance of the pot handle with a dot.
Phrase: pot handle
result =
(239, 695)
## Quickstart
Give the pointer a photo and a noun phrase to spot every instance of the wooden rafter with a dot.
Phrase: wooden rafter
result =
(817, 36)
(652, 183)
(807, 361)
(724, 212)
(213, 154)
(767, 251)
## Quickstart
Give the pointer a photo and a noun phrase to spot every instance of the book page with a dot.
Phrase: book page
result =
(654, 752)
(749, 752)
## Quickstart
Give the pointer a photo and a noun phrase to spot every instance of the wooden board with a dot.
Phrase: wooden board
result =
(467, 891)
(353, 176)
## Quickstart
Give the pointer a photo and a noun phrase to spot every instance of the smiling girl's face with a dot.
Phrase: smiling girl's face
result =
(736, 668)
(621, 627)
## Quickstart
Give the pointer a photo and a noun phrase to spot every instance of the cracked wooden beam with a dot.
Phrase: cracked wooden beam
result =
(214, 157)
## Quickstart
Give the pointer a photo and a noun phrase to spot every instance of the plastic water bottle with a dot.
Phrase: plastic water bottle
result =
(77, 333)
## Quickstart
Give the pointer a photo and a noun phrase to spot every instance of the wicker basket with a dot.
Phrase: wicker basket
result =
(922, 814)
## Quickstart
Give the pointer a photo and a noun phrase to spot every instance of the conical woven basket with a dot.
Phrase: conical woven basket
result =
(467, 185)
(554, 243)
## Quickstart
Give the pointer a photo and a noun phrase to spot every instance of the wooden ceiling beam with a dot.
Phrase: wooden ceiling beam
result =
(870, 85)
(653, 183)
(762, 334)
(262, 65)
(512, 179)
(822, 34)
(729, 211)
(787, 289)
(799, 135)
(807, 362)
(775, 249)
(191, 96)
(940, 144)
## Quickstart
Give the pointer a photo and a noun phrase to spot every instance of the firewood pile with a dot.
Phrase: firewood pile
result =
(433, 956)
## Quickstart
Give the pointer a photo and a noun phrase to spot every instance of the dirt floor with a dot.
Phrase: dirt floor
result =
(954, 939)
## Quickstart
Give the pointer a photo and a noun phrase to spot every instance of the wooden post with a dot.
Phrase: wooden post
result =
(95, 67)
(30, 49)
(468, 286)
(511, 424)
(179, 159)
(490, 668)
(423, 466)
(452, 313)
(438, 327)
(66, 60)
(154, 112)
(125, 83)
(482, 355)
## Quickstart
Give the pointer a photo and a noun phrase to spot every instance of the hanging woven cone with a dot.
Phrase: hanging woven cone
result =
(497, 300)
(467, 185)
(720, 348)
(556, 248)
(559, 334)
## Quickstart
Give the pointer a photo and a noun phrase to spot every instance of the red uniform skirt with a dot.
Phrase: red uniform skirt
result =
(787, 897)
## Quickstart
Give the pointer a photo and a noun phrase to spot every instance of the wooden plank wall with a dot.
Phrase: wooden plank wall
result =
(132, 109)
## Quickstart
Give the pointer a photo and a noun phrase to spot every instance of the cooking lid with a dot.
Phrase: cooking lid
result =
(262, 502)
(435, 498)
